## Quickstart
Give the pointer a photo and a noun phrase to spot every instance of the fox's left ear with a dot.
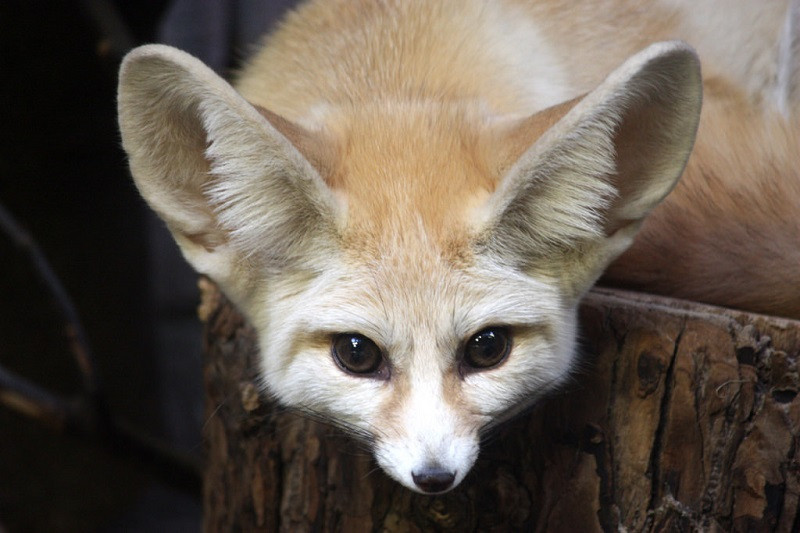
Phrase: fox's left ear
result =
(575, 198)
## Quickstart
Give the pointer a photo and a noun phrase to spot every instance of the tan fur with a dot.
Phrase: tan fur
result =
(417, 172)
(588, 39)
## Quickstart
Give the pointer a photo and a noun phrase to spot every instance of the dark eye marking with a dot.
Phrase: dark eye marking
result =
(358, 355)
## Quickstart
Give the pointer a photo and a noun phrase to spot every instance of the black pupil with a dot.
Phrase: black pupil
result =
(356, 353)
(487, 348)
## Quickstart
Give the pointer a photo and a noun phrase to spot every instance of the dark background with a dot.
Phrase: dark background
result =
(64, 178)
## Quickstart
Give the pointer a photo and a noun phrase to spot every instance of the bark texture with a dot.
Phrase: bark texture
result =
(683, 418)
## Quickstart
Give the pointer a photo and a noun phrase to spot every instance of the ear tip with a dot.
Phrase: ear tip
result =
(673, 51)
(150, 53)
(676, 46)
(673, 63)
(151, 50)
(153, 68)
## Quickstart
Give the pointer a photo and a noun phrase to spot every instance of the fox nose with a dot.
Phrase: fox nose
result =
(433, 479)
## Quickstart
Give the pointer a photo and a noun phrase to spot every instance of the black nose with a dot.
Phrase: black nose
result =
(432, 480)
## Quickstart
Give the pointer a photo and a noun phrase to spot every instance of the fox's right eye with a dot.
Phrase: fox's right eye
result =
(357, 354)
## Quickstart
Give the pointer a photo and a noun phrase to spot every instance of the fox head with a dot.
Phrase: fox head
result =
(412, 269)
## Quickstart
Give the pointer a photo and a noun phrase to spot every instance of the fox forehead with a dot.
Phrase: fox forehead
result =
(405, 167)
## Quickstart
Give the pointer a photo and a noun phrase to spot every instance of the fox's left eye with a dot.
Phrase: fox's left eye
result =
(358, 354)
(487, 348)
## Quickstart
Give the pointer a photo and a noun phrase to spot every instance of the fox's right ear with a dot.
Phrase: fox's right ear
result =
(228, 179)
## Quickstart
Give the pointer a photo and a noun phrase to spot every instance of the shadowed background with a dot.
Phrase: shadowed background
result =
(64, 178)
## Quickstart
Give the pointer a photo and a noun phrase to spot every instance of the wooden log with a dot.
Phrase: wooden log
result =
(683, 418)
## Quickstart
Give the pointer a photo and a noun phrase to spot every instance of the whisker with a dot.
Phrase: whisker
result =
(370, 472)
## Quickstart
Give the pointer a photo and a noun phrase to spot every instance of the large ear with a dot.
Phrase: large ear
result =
(226, 179)
(580, 192)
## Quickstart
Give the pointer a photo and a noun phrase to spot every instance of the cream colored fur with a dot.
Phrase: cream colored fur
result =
(416, 172)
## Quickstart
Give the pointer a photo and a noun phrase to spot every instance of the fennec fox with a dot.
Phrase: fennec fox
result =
(408, 198)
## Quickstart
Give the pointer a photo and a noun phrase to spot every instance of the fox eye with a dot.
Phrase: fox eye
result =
(357, 354)
(487, 348)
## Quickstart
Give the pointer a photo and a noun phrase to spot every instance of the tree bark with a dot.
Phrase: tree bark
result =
(684, 418)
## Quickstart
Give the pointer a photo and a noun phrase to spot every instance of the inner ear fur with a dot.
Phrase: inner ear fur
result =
(602, 163)
(225, 176)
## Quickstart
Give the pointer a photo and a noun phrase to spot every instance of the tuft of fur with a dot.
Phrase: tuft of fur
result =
(417, 172)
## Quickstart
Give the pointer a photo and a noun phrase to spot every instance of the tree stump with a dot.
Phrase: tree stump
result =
(684, 418)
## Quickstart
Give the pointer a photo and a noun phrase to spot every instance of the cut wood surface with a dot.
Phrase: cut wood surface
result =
(684, 417)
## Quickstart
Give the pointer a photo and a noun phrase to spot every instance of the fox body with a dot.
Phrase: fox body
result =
(408, 199)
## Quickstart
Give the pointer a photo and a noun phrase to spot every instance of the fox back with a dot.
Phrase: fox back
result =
(408, 199)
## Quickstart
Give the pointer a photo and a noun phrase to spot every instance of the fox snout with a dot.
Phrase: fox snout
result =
(429, 471)
(431, 455)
